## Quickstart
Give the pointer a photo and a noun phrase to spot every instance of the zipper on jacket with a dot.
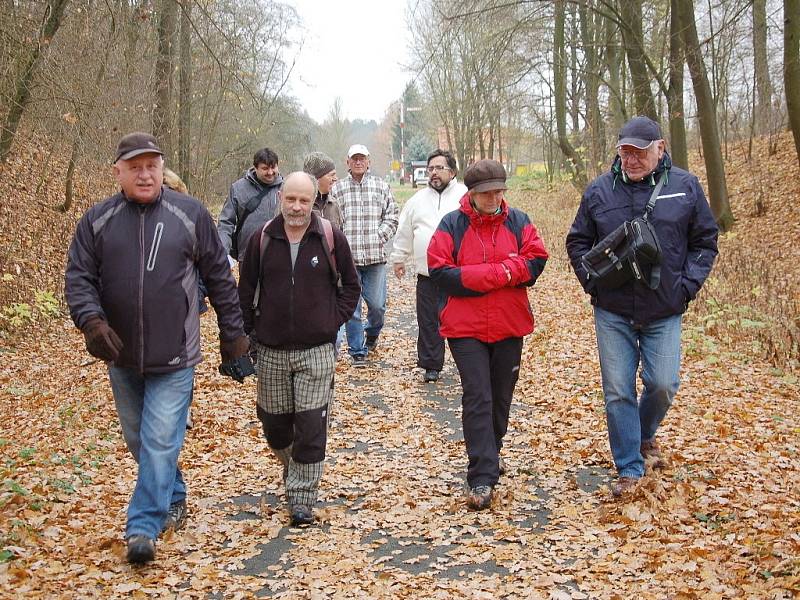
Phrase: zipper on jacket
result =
(141, 288)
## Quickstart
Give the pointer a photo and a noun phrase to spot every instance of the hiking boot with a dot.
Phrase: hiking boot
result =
(652, 454)
(141, 549)
(371, 343)
(480, 497)
(431, 375)
(501, 465)
(301, 515)
(623, 485)
(359, 361)
(176, 516)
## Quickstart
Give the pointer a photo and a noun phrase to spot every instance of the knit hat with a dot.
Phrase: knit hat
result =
(485, 175)
(318, 164)
(135, 144)
(639, 132)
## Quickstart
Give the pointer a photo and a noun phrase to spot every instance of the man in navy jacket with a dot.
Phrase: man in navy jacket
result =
(131, 286)
(635, 324)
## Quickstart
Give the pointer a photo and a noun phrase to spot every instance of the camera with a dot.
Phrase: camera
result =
(238, 368)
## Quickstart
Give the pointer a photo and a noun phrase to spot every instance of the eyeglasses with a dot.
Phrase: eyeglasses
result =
(640, 154)
(437, 168)
(353, 159)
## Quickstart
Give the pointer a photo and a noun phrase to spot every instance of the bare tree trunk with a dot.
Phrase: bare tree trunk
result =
(54, 13)
(633, 38)
(559, 85)
(791, 66)
(715, 168)
(590, 23)
(761, 67)
(614, 63)
(677, 122)
(165, 62)
(185, 94)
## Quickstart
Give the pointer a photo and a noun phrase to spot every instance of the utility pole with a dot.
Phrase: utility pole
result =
(403, 110)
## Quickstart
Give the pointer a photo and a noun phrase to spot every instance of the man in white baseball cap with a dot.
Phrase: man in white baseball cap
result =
(370, 217)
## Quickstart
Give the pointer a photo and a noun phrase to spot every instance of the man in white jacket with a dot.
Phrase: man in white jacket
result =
(418, 220)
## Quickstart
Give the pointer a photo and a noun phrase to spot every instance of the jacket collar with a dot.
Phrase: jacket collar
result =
(478, 218)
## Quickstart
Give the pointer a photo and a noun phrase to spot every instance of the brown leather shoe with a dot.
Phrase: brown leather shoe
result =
(623, 485)
(651, 453)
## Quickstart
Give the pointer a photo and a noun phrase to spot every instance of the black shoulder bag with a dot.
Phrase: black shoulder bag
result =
(628, 252)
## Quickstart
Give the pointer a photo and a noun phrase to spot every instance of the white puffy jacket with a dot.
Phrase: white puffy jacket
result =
(418, 220)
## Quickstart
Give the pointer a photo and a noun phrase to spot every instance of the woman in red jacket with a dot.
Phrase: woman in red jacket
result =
(483, 257)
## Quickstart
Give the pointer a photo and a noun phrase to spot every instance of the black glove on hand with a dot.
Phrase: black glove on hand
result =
(101, 341)
(234, 349)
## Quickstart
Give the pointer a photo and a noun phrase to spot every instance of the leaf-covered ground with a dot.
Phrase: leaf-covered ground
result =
(721, 522)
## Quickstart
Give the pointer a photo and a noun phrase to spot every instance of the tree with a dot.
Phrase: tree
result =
(761, 68)
(632, 36)
(575, 161)
(706, 115)
(185, 94)
(791, 66)
(165, 65)
(53, 15)
(677, 123)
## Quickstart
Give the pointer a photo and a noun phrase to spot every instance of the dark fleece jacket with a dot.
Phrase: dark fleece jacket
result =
(301, 307)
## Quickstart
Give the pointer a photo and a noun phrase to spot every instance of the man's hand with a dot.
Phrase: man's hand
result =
(234, 349)
(101, 341)
(399, 270)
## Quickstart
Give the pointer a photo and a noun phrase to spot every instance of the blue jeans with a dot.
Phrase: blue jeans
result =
(622, 347)
(152, 410)
(373, 292)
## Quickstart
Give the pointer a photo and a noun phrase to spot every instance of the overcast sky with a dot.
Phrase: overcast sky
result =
(353, 50)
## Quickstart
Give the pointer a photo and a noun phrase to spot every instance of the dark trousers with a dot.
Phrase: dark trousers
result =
(488, 373)
(430, 345)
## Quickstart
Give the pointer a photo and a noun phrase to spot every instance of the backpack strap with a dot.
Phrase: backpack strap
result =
(330, 248)
(264, 242)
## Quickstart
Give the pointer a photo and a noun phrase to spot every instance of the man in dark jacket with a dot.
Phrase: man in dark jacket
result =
(291, 271)
(131, 286)
(483, 257)
(636, 325)
(252, 201)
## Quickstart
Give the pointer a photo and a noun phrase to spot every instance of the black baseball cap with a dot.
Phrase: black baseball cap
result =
(135, 144)
(639, 132)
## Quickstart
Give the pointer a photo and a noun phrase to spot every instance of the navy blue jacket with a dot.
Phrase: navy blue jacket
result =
(686, 230)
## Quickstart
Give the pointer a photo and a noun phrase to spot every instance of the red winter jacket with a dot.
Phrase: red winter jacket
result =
(466, 259)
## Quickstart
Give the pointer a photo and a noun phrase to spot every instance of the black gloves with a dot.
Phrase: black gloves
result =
(234, 349)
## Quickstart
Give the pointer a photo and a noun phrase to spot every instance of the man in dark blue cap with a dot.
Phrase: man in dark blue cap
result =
(636, 325)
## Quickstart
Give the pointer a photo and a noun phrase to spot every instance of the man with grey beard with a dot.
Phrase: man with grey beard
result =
(293, 306)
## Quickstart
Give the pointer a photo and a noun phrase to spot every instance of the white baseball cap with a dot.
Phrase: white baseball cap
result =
(357, 149)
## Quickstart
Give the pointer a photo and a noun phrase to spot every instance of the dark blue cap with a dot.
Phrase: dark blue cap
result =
(639, 132)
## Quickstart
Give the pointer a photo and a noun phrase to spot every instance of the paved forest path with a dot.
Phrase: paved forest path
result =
(721, 522)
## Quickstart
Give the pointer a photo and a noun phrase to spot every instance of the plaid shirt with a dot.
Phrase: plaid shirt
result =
(369, 215)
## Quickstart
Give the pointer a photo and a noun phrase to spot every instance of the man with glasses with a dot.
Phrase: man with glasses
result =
(637, 325)
(418, 220)
(369, 215)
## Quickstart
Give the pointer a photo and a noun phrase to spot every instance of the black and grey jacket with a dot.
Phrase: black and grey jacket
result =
(137, 266)
(252, 202)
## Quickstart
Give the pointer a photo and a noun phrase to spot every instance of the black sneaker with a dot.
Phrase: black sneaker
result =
(176, 516)
(431, 375)
(359, 361)
(301, 515)
(141, 549)
(371, 343)
(480, 497)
